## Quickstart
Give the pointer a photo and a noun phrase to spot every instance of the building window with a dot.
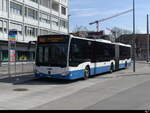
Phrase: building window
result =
(63, 23)
(31, 13)
(44, 18)
(3, 5)
(55, 6)
(45, 3)
(55, 21)
(16, 27)
(4, 56)
(30, 31)
(15, 8)
(36, 1)
(1, 26)
(5, 26)
(63, 10)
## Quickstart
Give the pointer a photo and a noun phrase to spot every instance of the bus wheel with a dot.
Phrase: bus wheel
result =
(86, 73)
(111, 68)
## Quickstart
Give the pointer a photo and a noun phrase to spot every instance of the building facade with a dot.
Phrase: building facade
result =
(141, 44)
(31, 18)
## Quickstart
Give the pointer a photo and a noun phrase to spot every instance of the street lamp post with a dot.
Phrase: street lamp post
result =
(69, 23)
(134, 36)
(147, 38)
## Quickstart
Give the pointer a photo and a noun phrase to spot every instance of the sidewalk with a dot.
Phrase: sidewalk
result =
(17, 79)
(144, 70)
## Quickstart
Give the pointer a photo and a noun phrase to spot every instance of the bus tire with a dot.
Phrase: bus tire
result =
(86, 73)
(111, 68)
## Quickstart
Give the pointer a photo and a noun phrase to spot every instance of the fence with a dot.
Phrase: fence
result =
(17, 69)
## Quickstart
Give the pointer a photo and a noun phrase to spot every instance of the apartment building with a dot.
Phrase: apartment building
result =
(30, 18)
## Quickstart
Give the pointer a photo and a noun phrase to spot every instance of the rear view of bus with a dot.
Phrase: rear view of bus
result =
(51, 56)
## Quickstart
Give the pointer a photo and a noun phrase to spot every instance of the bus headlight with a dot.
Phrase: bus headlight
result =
(36, 71)
(65, 73)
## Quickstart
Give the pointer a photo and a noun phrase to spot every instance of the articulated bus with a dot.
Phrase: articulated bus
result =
(70, 57)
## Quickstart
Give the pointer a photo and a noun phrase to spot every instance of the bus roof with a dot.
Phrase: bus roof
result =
(98, 40)
(121, 44)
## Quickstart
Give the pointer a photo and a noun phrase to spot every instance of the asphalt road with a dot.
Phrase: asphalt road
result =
(121, 90)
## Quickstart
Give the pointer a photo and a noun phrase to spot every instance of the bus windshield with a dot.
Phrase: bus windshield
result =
(53, 55)
(52, 50)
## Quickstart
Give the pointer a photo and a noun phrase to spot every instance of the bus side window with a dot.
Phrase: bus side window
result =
(74, 51)
(75, 48)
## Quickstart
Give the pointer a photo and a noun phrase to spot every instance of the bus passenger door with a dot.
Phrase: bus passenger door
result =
(116, 57)
(93, 57)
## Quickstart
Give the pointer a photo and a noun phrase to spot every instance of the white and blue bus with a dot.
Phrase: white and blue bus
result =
(70, 57)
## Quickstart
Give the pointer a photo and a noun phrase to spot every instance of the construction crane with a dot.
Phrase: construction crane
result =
(104, 19)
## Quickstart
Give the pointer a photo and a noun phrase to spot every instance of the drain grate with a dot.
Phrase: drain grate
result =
(21, 89)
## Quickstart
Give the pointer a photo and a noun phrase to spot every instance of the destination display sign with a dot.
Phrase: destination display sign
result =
(52, 39)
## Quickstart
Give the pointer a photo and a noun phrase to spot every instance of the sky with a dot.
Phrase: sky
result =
(82, 12)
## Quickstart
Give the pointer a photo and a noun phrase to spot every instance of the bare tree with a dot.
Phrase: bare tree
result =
(80, 31)
(117, 32)
(120, 31)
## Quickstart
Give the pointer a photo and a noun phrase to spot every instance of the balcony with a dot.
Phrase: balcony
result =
(31, 21)
(64, 2)
(64, 16)
(45, 25)
(45, 9)
(3, 36)
(16, 17)
(31, 3)
(30, 38)
(54, 27)
(20, 1)
(55, 13)
(64, 30)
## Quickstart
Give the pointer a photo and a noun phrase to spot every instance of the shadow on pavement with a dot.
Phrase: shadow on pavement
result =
(16, 79)
(49, 81)
(32, 80)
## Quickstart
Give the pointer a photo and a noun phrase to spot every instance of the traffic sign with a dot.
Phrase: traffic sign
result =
(12, 55)
(12, 35)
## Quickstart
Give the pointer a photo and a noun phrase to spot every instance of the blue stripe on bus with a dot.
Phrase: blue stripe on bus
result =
(79, 73)
(121, 66)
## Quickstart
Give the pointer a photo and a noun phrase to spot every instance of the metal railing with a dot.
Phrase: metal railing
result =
(16, 69)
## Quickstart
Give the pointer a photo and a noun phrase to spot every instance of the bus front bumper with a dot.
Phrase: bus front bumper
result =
(66, 76)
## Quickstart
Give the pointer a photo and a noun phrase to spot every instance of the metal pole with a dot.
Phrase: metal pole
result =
(115, 35)
(16, 57)
(8, 41)
(68, 18)
(134, 36)
(68, 23)
(97, 26)
(147, 38)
